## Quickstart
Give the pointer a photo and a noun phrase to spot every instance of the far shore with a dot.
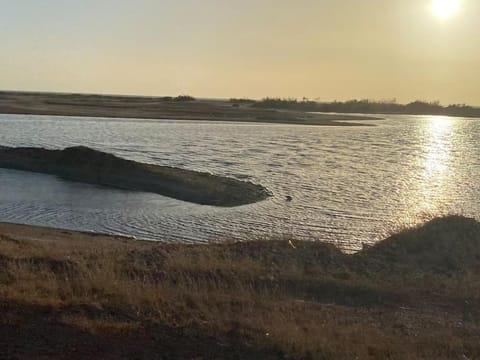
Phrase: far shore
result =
(141, 107)
(68, 294)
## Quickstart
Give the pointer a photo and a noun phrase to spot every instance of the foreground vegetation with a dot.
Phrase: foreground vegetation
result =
(416, 295)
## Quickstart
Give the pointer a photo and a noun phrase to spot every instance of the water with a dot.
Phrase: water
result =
(350, 185)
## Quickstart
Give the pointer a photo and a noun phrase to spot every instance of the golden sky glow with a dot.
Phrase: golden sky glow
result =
(445, 8)
(335, 49)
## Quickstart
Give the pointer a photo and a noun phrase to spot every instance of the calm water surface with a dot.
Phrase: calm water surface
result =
(350, 185)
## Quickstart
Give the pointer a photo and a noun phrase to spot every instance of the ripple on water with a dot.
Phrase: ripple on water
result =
(349, 185)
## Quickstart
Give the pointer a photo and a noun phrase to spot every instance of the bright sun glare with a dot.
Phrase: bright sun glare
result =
(445, 8)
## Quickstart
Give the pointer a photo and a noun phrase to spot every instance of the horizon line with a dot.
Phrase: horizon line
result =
(137, 95)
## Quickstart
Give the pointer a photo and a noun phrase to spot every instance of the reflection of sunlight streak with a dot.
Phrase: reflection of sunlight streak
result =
(438, 147)
(434, 182)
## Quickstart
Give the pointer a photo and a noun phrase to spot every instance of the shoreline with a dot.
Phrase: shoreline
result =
(25, 232)
(72, 294)
(137, 107)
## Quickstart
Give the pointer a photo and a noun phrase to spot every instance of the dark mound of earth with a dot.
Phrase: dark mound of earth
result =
(91, 166)
(443, 245)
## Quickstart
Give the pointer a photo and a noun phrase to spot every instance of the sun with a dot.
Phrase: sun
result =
(445, 8)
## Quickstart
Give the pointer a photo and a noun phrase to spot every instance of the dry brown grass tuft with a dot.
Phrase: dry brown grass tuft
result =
(311, 301)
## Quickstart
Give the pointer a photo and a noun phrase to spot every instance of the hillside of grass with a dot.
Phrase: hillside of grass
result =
(415, 295)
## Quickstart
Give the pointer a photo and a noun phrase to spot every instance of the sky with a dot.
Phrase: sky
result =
(323, 49)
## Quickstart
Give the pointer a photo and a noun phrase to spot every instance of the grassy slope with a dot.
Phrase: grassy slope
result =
(414, 296)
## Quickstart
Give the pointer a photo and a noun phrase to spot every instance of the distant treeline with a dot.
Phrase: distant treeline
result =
(242, 101)
(370, 107)
(179, 98)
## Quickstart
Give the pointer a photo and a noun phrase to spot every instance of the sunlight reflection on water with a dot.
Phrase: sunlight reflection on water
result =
(438, 172)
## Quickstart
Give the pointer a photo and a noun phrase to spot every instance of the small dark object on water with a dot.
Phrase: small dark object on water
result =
(288, 198)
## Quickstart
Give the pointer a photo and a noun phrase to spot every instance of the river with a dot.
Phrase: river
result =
(349, 185)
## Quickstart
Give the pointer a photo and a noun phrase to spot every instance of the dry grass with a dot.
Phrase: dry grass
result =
(398, 300)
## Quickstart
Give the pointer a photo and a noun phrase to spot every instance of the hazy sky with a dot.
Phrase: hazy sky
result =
(326, 49)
